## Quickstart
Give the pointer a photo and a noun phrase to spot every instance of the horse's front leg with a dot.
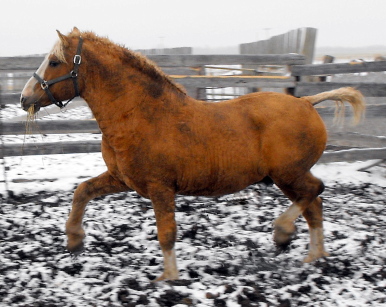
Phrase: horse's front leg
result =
(86, 191)
(163, 200)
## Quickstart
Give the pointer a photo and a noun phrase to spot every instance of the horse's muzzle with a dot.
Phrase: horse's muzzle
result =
(27, 102)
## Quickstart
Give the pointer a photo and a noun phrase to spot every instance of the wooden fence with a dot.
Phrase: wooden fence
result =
(299, 41)
(293, 82)
(188, 70)
(299, 79)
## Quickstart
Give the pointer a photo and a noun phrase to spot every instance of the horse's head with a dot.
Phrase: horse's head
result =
(56, 79)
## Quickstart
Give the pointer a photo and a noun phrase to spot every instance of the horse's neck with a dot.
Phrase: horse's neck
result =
(108, 109)
(135, 96)
(105, 90)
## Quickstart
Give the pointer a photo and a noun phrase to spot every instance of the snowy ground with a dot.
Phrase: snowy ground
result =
(225, 250)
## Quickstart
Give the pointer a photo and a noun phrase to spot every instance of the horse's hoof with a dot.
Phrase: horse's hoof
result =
(75, 243)
(165, 277)
(76, 249)
(315, 256)
(281, 248)
(75, 246)
(283, 237)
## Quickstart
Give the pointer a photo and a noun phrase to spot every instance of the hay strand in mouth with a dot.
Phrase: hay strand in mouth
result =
(30, 122)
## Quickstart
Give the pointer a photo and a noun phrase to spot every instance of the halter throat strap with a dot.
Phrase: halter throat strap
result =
(73, 74)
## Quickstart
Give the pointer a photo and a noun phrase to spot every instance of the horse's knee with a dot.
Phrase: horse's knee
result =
(314, 187)
(321, 187)
(83, 193)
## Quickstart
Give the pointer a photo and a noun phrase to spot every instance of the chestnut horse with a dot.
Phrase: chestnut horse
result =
(160, 142)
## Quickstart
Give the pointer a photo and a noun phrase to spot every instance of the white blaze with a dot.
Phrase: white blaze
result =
(28, 87)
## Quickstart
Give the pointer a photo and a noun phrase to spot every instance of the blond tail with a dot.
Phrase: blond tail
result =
(348, 94)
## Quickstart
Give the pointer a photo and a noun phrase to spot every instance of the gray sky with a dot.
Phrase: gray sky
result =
(28, 26)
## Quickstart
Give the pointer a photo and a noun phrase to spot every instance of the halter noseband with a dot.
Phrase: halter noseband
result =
(71, 75)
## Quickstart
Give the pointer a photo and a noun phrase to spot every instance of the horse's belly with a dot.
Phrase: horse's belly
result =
(213, 190)
(218, 183)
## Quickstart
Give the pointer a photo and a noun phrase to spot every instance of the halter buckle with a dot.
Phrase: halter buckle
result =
(44, 84)
(77, 59)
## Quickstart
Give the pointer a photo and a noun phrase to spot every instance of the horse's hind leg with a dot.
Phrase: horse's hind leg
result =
(103, 184)
(314, 216)
(304, 195)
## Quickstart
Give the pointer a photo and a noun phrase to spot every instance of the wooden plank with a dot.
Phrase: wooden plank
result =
(356, 140)
(224, 59)
(312, 88)
(51, 127)
(53, 148)
(377, 162)
(10, 98)
(32, 63)
(275, 44)
(300, 41)
(181, 70)
(352, 155)
(20, 63)
(292, 41)
(307, 46)
(337, 68)
(327, 59)
(177, 50)
(235, 81)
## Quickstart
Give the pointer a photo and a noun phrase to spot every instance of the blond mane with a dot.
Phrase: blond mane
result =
(58, 51)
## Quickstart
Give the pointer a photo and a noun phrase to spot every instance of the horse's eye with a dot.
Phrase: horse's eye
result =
(54, 63)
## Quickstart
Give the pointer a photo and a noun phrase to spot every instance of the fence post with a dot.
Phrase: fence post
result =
(327, 59)
(307, 43)
(2, 156)
(301, 41)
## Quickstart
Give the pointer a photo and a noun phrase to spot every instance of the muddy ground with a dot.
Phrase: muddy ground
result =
(225, 252)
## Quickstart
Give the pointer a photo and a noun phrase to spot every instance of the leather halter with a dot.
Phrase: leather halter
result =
(73, 74)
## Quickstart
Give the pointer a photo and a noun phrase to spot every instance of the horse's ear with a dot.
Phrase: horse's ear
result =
(63, 39)
(76, 31)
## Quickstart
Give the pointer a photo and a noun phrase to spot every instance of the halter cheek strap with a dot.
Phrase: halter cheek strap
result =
(71, 75)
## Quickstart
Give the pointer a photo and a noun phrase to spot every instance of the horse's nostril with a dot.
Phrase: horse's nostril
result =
(22, 99)
(23, 102)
